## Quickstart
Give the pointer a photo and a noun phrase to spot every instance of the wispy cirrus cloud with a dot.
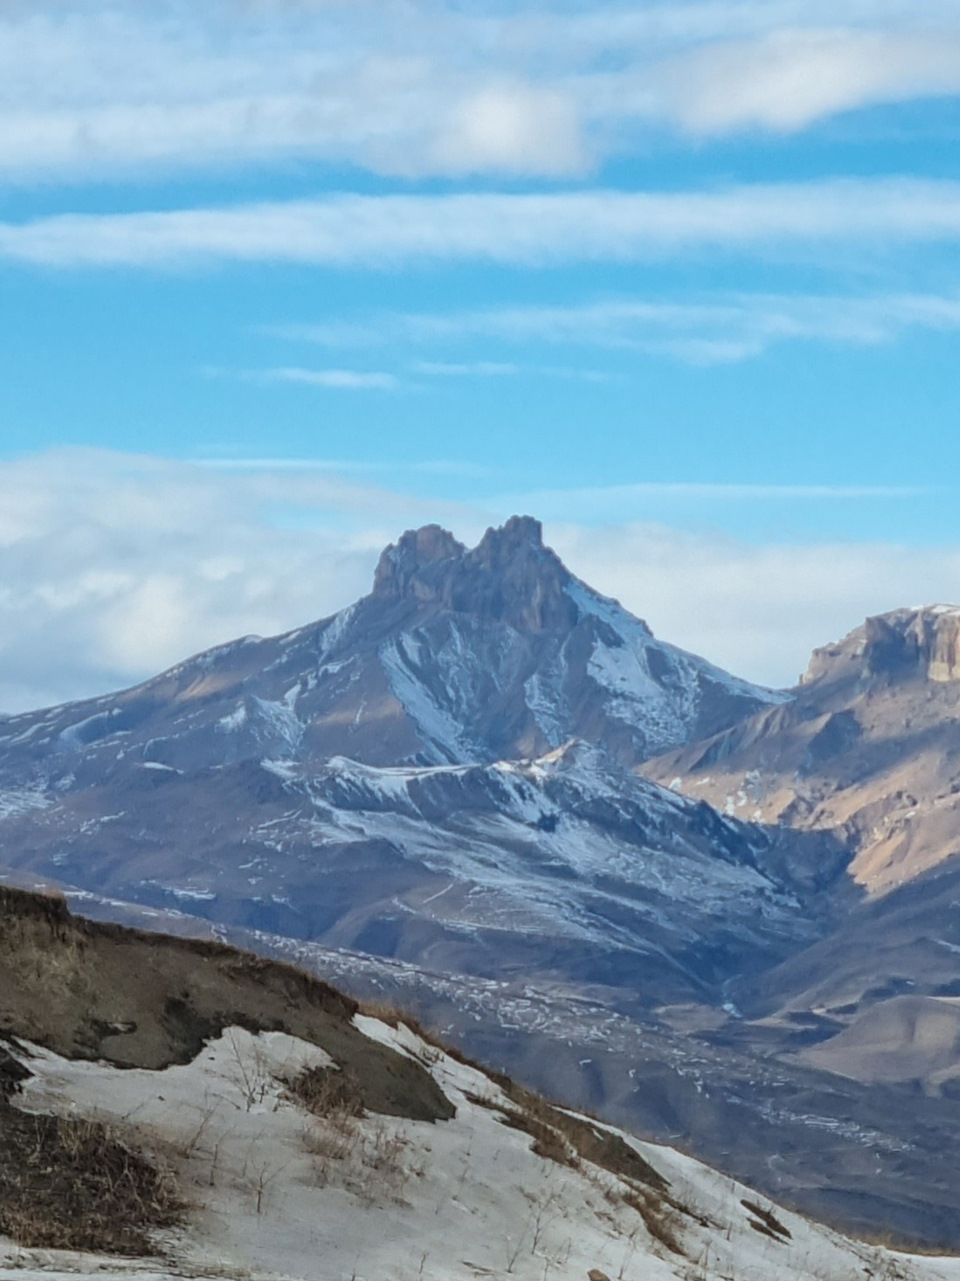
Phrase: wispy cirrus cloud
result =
(719, 329)
(382, 232)
(331, 379)
(505, 369)
(467, 368)
(787, 79)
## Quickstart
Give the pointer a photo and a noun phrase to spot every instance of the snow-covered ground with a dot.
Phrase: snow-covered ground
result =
(275, 1192)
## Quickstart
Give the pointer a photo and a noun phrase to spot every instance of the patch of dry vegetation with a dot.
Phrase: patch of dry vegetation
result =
(766, 1222)
(327, 1092)
(370, 1161)
(73, 1184)
(569, 1140)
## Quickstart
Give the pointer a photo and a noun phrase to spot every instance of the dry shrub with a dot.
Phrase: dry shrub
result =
(328, 1142)
(369, 1161)
(661, 1217)
(548, 1142)
(75, 1184)
(334, 1099)
(327, 1092)
(384, 1172)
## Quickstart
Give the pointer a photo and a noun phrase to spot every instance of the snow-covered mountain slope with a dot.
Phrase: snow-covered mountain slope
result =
(562, 866)
(373, 782)
(691, 1071)
(301, 1138)
(435, 773)
(455, 657)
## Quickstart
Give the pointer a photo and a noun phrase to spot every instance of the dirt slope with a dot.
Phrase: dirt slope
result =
(98, 991)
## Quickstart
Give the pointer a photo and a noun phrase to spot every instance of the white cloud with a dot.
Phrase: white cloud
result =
(334, 379)
(788, 79)
(383, 231)
(758, 611)
(512, 129)
(726, 328)
(466, 369)
(114, 567)
(115, 87)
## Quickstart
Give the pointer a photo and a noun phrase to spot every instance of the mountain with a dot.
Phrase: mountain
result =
(552, 867)
(455, 657)
(435, 795)
(868, 749)
(373, 782)
(212, 1114)
(867, 752)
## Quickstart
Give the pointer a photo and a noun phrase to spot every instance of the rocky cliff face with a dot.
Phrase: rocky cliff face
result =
(869, 749)
(510, 577)
(908, 644)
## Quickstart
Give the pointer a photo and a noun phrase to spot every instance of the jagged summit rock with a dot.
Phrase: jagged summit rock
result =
(405, 566)
(509, 576)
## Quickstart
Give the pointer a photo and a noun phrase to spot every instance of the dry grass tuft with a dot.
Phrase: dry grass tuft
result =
(74, 1184)
(661, 1217)
(548, 1142)
(370, 1161)
(766, 1221)
(327, 1092)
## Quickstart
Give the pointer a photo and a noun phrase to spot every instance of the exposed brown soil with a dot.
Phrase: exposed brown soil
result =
(98, 991)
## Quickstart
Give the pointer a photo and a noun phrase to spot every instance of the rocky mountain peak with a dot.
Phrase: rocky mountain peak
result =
(404, 565)
(921, 643)
(510, 575)
(519, 537)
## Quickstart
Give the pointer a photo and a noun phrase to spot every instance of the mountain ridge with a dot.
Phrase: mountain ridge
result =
(455, 656)
(869, 747)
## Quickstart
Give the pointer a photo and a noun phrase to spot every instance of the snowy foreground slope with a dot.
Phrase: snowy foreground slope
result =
(274, 1191)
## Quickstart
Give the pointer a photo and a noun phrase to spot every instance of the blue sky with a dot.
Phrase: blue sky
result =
(680, 278)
